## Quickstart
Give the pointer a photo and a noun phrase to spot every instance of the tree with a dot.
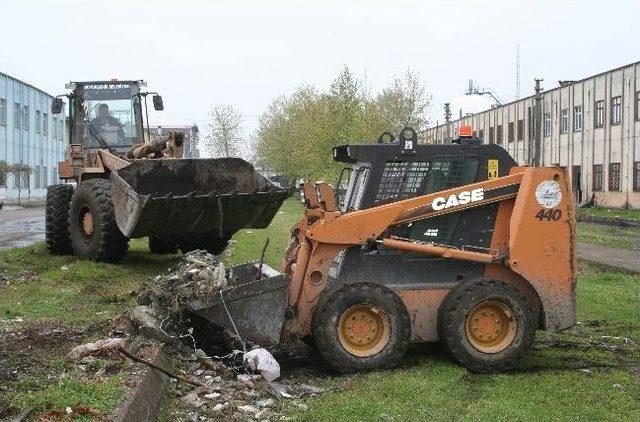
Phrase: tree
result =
(223, 136)
(405, 102)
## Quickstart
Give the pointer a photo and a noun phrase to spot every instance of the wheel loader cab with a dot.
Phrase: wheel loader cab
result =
(106, 115)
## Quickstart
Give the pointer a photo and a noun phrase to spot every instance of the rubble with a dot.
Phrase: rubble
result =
(110, 344)
(262, 361)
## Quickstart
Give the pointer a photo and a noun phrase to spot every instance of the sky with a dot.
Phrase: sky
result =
(199, 54)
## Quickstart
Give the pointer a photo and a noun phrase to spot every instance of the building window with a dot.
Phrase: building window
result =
(3, 111)
(16, 120)
(510, 134)
(499, 135)
(599, 120)
(638, 105)
(616, 110)
(547, 124)
(597, 178)
(25, 117)
(492, 132)
(45, 124)
(60, 129)
(520, 130)
(636, 176)
(614, 176)
(564, 120)
(577, 118)
(38, 121)
(481, 134)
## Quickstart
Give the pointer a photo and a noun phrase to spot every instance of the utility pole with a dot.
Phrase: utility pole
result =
(538, 123)
(447, 118)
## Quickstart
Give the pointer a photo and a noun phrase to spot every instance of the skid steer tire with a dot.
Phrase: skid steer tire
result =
(487, 325)
(57, 237)
(92, 222)
(210, 243)
(361, 327)
(163, 245)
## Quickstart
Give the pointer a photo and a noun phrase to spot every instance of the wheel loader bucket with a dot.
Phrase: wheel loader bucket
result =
(178, 197)
(252, 306)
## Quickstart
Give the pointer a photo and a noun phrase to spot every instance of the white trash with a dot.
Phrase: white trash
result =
(262, 361)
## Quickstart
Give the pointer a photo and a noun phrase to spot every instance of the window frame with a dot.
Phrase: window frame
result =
(564, 120)
(17, 117)
(616, 110)
(599, 114)
(597, 182)
(614, 177)
(510, 132)
(3, 111)
(546, 126)
(577, 118)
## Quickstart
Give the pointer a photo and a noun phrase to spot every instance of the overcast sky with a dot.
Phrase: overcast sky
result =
(197, 55)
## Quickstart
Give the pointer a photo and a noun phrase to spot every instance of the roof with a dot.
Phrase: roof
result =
(27, 84)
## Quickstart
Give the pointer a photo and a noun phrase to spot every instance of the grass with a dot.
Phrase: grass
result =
(625, 213)
(585, 373)
(616, 237)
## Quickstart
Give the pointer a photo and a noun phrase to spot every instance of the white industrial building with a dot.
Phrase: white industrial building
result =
(29, 135)
(591, 126)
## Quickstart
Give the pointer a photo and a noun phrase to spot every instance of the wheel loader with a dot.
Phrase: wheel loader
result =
(453, 243)
(122, 184)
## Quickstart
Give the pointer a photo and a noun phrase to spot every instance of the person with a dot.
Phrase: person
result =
(105, 125)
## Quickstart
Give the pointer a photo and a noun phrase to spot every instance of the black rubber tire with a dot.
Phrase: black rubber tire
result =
(57, 237)
(210, 243)
(163, 245)
(325, 327)
(106, 243)
(452, 317)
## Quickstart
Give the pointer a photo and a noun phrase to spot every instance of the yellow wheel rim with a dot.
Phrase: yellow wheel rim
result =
(491, 326)
(364, 330)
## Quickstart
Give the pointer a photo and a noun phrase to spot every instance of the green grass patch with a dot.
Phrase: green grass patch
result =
(616, 237)
(627, 214)
(71, 290)
(102, 396)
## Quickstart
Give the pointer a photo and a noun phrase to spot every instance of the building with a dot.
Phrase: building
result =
(29, 135)
(591, 126)
(191, 137)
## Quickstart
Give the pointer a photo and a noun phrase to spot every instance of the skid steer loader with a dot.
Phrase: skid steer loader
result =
(452, 242)
(128, 185)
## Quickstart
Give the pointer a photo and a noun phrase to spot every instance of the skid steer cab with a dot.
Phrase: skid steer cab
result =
(123, 184)
(419, 243)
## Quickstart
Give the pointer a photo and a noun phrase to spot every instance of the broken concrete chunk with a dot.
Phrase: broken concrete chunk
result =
(145, 318)
(83, 350)
(248, 409)
(262, 361)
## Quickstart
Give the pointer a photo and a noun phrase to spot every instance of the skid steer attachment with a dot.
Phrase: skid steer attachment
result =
(180, 197)
(455, 243)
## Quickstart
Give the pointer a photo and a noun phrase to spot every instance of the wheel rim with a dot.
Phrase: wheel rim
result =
(364, 330)
(491, 326)
(86, 222)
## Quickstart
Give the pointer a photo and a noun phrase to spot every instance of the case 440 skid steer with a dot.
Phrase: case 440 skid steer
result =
(128, 185)
(455, 243)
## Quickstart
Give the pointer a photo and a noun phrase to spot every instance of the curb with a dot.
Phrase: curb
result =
(143, 402)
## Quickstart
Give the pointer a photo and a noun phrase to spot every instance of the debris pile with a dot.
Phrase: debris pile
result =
(238, 385)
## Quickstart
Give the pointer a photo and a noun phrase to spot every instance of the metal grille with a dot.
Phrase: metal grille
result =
(597, 178)
(510, 134)
(636, 176)
(520, 130)
(491, 135)
(614, 176)
(401, 180)
(499, 135)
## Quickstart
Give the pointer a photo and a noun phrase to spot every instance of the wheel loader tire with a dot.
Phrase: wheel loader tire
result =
(487, 325)
(92, 223)
(57, 235)
(208, 242)
(163, 245)
(361, 327)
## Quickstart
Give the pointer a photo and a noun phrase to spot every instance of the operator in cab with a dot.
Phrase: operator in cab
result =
(107, 127)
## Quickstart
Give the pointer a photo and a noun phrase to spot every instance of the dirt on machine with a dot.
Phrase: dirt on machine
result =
(416, 243)
(121, 184)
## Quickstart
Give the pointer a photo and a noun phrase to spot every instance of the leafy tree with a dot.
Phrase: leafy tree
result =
(405, 102)
(223, 138)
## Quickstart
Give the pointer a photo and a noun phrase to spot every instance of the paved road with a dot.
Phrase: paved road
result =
(21, 227)
(626, 259)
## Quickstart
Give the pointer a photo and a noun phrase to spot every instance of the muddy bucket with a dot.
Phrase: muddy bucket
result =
(255, 308)
(192, 196)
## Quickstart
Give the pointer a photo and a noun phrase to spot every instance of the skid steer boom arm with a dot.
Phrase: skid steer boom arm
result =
(535, 225)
